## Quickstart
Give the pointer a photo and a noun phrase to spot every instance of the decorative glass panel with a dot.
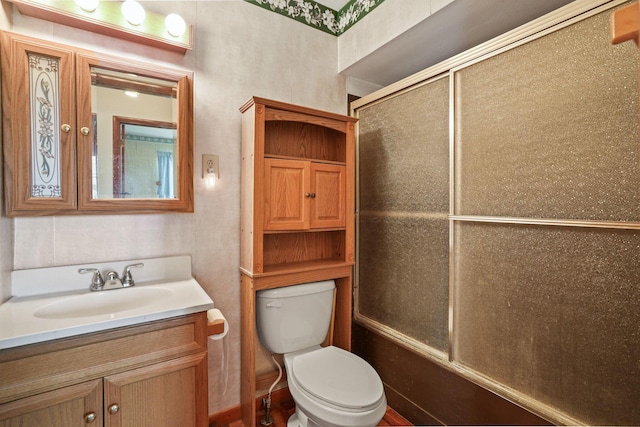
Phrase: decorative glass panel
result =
(44, 99)
(404, 201)
(549, 129)
(404, 273)
(552, 312)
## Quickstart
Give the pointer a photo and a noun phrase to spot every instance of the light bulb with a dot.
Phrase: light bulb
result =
(211, 179)
(175, 25)
(88, 5)
(133, 11)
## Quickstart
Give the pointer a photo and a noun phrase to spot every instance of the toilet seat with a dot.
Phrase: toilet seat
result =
(339, 378)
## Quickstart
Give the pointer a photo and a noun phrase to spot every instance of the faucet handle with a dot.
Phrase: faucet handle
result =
(127, 278)
(97, 282)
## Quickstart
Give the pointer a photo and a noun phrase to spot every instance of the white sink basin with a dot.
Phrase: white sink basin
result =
(31, 319)
(102, 302)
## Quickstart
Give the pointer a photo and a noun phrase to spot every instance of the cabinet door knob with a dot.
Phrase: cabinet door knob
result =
(65, 128)
(90, 417)
(114, 408)
(313, 195)
(84, 130)
(307, 194)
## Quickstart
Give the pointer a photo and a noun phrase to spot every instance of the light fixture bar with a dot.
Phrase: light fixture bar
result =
(108, 20)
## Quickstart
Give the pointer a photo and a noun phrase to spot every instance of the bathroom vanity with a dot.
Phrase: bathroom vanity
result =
(297, 215)
(153, 374)
(133, 356)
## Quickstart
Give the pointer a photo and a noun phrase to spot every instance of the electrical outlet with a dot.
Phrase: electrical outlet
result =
(210, 161)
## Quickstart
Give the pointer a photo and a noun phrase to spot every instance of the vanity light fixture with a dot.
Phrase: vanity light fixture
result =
(133, 11)
(210, 170)
(108, 18)
(175, 25)
(88, 5)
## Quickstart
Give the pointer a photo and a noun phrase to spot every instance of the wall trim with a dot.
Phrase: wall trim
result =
(318, 16)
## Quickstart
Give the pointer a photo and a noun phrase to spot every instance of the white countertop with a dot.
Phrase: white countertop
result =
(22, 322)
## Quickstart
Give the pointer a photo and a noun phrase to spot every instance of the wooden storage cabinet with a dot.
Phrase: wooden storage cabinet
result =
(151, 375)
(302, 195)
(297, 215)
(298, 177)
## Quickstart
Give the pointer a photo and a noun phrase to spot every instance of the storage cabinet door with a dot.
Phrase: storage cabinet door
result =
(73, 406)
(287, 194)
(166, 394)
(38, 93)
(327, 196)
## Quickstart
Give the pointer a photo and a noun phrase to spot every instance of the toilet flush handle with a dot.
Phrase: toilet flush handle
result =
(274, 304)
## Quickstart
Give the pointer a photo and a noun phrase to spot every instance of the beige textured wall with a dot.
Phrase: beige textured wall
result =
(240, 50)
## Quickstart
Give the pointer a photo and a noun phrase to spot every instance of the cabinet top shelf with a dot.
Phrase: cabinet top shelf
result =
(269, 103)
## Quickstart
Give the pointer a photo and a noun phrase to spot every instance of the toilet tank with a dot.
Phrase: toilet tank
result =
(295, 317)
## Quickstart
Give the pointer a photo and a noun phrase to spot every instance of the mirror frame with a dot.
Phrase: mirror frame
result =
(184, 126)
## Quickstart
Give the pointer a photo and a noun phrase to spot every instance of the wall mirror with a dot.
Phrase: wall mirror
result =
(139, 156)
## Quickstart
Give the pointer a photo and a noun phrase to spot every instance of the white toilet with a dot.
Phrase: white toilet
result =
(331, 387)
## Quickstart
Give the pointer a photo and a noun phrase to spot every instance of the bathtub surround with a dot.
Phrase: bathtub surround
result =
(512, 251)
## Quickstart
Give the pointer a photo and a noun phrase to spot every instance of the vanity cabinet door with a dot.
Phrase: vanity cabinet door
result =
(73, 406)
(38, 91)
(166, 394)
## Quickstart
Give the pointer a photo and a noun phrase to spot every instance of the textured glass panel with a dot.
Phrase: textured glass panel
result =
(550, 129)
(404, 201)
(403, 274)
(404, 151)
(554, 313)
(44, 99)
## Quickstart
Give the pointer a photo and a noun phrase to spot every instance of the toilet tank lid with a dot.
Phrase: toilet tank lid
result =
(297, 290)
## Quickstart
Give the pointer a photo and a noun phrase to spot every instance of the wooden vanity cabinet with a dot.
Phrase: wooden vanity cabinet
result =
(151, 375)
(297, 216)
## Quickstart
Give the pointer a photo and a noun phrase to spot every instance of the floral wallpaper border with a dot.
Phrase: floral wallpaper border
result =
(318, 16)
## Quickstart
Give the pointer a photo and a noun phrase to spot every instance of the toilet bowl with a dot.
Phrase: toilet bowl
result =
(333, 388)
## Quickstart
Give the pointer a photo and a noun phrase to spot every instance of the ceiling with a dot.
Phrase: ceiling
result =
(455, 28)
(333, 4)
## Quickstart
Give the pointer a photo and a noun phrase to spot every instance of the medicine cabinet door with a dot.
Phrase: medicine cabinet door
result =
(39, 134)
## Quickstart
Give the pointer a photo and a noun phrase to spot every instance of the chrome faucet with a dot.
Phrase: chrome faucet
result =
(98, 283)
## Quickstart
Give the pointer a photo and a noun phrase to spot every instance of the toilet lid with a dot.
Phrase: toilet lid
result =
(338, 377)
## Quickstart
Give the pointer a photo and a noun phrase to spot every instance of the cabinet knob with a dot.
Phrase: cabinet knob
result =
(114, 408)
(65, 128)
(313, 195)
(307, 194)
(90, 417)
(84, 130)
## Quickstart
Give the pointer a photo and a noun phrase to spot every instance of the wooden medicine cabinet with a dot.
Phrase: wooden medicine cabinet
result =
(87, 133)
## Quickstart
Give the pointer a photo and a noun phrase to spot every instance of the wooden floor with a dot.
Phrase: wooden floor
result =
(281, 414)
